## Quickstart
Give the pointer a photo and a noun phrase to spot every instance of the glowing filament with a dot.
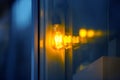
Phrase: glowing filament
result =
(58, 40)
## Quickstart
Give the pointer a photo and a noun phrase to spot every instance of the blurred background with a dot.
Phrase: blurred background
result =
(16, 40)
(19, 37)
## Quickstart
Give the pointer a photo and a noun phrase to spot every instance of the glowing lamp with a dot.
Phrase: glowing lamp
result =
(62, 41)
(90, 33)
(67, 41)
(57, 39)
(82, 33)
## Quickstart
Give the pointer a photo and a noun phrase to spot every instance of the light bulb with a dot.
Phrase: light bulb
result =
(57, 40)
(82, 33)
(90, 33)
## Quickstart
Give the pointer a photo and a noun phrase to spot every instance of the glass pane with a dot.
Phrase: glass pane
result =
(78, 38)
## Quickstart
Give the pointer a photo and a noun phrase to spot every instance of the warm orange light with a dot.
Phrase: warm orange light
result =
(57, 36)
(41, 43)
(83, 40)
(62, 41)
(98, 33)
(58, 40)
(90, 33)
(82, 33)
(67, 41)
(75, 39)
